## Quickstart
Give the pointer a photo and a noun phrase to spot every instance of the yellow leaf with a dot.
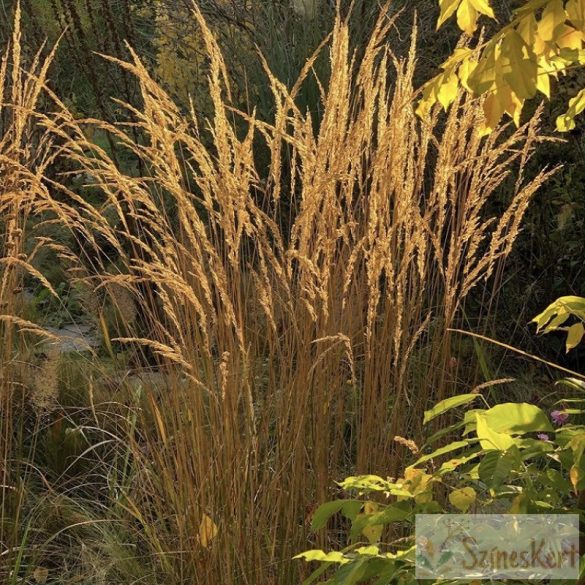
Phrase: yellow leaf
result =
(418, 483)
(569, 38)
(463, 498)
(575, 335)
(576, 13)
(483, 76)
(207, 531)
(483, 6)
(490, 439)
(543, 83)
(566, 122)
(465, 70)
(448, 8)
(429, 96)
(448, 89)
(576, 477)
(467, 17)
(372, 533)
(527, 29)
(519, 505)
(518, 65)
(514, 108)
(493, 112)
(553, 16)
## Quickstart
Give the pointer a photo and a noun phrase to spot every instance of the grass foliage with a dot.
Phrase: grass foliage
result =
(295, 313)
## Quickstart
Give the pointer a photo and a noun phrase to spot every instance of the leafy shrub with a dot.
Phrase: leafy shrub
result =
(512, 457)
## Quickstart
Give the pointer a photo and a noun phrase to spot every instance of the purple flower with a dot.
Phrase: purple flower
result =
(543, 437)
(559, 417)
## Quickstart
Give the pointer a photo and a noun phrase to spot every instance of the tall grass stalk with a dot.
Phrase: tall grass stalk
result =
(291, 355)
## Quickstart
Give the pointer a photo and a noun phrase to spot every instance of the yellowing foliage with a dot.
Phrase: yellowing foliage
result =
(544, 39)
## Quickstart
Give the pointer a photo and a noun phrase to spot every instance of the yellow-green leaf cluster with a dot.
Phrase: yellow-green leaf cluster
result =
(543, 40)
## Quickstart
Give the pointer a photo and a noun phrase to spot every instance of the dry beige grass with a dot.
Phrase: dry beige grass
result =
(290, 356)
(24, 157)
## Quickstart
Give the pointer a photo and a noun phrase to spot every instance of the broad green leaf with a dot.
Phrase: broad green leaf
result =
(513, 417)
(396, 512)
(453, 464)
(442, 451)
(470, 420)
(496, 466)
(354, 572)
(372, 532)
(463, 498)
(575, 335)
(325, 511)
(558, 481)
(490, 439)
(448, 404)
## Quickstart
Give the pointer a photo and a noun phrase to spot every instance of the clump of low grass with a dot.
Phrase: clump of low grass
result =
(288, 355)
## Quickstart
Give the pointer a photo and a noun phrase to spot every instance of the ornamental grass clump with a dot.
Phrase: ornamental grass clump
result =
(298, 313)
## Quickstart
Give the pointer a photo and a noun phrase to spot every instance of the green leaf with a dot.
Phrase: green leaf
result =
(496, 466)
(367, 483)
(513, 417)
(490, 439)
(463, 498)
(453, 464)
(441, 451)
(325, 511)
(398, 512)
(448, 404)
